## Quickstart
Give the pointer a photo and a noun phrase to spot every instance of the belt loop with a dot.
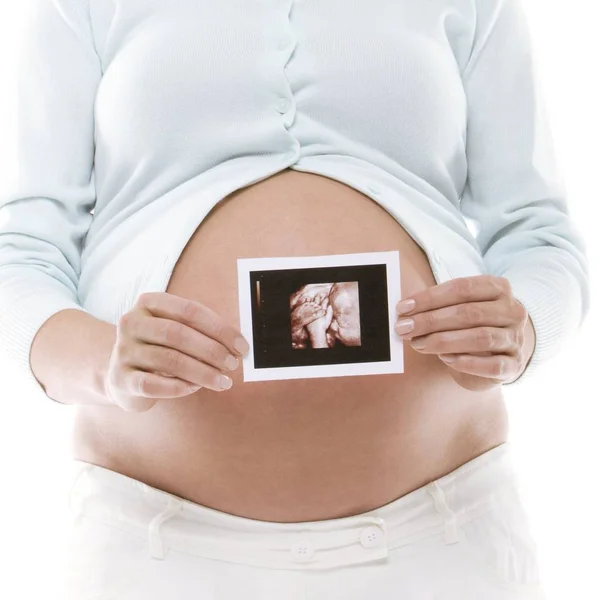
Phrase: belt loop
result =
(74, 489)
(157, 549)
(450, 520)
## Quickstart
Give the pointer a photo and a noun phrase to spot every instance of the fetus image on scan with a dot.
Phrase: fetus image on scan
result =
(324, 315)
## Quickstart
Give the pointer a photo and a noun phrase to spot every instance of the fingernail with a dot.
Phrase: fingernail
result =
(231, 362)
(225, 382)
(405, 325)
(241, 345)
(448, 358)
(405, 306)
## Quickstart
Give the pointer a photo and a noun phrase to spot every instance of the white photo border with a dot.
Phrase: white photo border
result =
(247, 265)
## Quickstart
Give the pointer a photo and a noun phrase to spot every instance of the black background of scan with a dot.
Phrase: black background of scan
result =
(272, 328)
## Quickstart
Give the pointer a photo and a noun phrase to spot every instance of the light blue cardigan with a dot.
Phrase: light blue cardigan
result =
(151, 112)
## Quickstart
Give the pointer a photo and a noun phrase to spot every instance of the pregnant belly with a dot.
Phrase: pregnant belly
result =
(299, 449)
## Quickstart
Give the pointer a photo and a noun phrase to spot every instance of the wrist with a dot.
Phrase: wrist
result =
(528, 346)
(530, 339)
(101, 368)
(101, 383)
(318, 339)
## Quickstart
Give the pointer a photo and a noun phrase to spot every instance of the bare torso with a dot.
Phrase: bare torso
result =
(301, 449)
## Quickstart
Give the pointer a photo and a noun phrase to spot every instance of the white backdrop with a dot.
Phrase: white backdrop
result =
(554, 418)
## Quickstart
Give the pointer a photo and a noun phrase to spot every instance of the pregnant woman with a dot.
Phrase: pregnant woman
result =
(158, 143)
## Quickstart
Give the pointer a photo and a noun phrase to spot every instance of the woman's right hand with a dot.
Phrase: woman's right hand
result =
(167, 347)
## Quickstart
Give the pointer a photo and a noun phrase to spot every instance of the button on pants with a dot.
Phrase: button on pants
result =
(464, 536)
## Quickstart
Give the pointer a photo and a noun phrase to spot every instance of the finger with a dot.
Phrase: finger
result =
(296, 297)
(317, 288)
(476, 339)
(311, 291)
(493, 313)
(306, 313)
(328, 316)
(197, 316)
(318, 316)
(181, 338)
(299, 311)
(299, 334)
(151, 385)
(496, 366)
(330, 339)
(151, 358)
(477, 288)
(302, 299)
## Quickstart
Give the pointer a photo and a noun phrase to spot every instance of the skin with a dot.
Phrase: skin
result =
(345, 324)
(475, 325)
(316, 448)
(326, 313)
(317, 329)
(307, 319)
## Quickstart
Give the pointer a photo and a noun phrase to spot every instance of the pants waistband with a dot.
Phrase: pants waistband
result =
(170, 522)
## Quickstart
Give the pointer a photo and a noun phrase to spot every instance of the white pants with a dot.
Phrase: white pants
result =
(464, 536)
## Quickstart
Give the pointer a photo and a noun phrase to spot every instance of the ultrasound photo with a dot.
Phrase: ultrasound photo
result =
(320, 316)
(323, 314)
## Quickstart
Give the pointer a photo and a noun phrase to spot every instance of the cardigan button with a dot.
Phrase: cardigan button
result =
(283, 43)
(283, 105)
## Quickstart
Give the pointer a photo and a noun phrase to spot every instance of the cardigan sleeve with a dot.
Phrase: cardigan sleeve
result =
(514, 190)
(47, 185)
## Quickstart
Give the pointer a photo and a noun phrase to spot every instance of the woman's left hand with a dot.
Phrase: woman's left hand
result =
(477, 322)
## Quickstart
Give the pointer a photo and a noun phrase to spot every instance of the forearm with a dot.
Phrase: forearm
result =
(69, 357)
(318, 338)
